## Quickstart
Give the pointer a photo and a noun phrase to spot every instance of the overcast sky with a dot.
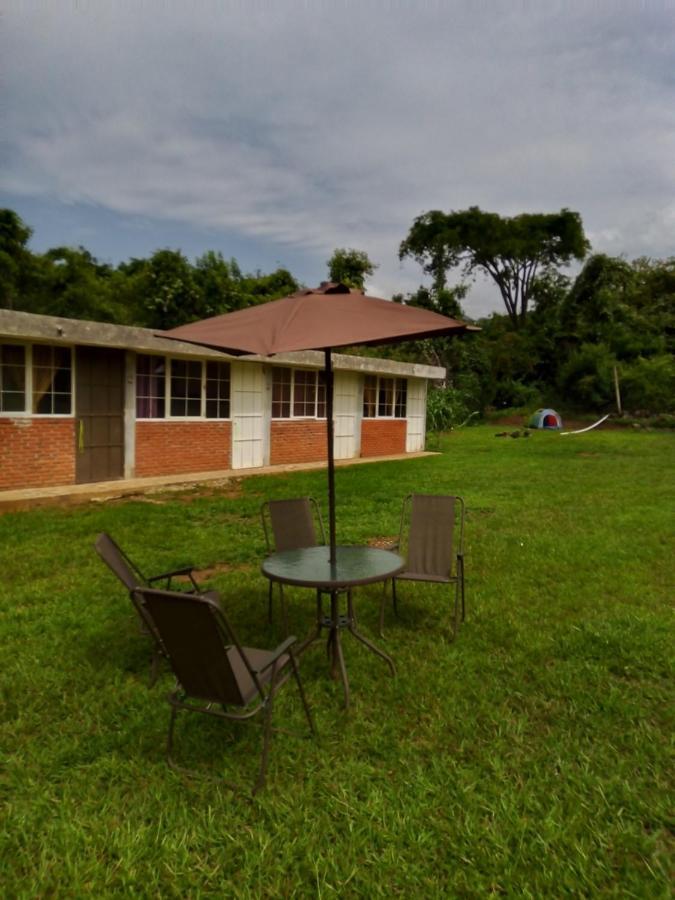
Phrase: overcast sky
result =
(277, 131)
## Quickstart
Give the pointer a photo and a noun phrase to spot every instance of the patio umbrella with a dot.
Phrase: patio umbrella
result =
(324, 318)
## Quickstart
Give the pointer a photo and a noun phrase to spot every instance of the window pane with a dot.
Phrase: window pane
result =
(369, 396)
(186, 387)
(12, 402)
(61, 404)
(42, 355)
(281, 393)
(400, 405)
(150, 386)
(51, 380)
(304, 393)
(321, 397)
(385, 397)
(217, 390)
(12, 378)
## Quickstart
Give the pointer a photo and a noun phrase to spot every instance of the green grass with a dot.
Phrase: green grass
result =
(531, 757)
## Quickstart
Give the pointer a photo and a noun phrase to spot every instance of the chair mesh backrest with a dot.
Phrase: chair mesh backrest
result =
(195, 638)
(430, 535)
(118, 561)
(292, 524)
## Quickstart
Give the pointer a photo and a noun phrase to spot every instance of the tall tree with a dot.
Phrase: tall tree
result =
(513, 252)
(350, 267)
(15, 258)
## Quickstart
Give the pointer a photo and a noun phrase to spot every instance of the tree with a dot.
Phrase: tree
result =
(350, 267)
(15, 258)
(514, 252)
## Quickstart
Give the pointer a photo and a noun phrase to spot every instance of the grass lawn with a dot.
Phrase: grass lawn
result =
(532, 757)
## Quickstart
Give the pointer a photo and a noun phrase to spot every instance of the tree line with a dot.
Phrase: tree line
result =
(560, 340)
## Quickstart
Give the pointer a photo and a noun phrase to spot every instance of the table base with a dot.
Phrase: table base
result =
(334, 623)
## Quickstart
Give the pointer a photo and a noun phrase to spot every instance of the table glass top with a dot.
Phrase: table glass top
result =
(311, 566)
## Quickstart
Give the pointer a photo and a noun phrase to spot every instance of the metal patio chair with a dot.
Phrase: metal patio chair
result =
(131, 577)
(213, 671)
(290, 525)
(431, 539)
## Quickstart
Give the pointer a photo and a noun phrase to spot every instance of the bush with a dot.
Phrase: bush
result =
(649, 384)
(446, 408)
(586, 378)
(511, 393)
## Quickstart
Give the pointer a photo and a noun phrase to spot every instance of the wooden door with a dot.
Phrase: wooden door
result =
(99, 411)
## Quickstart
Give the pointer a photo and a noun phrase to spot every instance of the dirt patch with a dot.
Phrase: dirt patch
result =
(384, 543)
(229, 488)
(201, 575)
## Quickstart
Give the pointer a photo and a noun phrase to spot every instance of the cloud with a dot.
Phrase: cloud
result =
(316, 125)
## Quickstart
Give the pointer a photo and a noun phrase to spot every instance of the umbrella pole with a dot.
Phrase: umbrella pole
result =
(331, 455)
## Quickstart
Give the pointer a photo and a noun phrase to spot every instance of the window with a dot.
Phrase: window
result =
(150, 387)
(384, 398)
(186, 387)
(298, 394)
(188, 382)
(281, 392)
(12, 378)
(217, 390)
(51, 380)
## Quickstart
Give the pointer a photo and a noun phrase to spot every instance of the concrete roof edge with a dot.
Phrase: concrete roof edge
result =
(59, 330)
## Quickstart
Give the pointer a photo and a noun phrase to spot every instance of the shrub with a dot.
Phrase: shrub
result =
(649, 384)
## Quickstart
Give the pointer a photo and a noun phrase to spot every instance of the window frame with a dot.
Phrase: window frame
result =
(168, 395)
(318, 401)
(393, 403)
(29, 381)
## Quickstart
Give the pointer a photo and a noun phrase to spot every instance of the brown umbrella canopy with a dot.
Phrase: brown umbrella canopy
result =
(323, 318)
(329, 316)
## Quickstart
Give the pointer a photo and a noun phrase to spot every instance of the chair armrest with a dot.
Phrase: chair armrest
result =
(276, 654)
(167, 576)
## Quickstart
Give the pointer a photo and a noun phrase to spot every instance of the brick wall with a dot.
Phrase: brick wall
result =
(171, 448)
(383, 437)
(36, 452)
(297, 441)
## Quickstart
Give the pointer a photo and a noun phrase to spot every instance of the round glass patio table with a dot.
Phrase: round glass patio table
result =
(353, 566)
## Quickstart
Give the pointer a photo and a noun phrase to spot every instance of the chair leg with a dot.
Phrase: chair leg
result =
(382, 603)
(270, 600)
(301, 690)
(461, 580)
(284, 610)
(260, 781)
(394, 598)
(455, 624)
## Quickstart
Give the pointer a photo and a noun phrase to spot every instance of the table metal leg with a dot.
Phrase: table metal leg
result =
(334, 623)
(364, 640)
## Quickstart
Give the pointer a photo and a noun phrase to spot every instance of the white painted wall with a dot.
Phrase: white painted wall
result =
(416, 408)
(250, 428)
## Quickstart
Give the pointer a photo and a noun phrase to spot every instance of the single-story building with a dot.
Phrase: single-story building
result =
(83, 402)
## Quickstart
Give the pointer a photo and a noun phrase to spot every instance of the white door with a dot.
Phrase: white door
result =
(416, 414)
(347, 404)
(248, 419)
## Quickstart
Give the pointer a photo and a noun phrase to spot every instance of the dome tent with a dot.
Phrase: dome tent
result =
(545, 418)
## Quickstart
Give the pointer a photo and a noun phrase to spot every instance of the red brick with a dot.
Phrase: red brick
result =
(172, 448)
(36, 452)
(383, 437)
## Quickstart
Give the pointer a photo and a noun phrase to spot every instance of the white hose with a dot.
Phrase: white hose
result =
(590, 427)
